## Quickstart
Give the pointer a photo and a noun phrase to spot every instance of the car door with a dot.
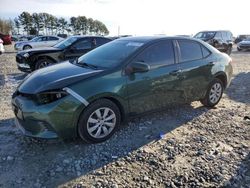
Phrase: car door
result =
(79, 48)
(37, 43)
(160, 85)
(41, 42)
(195, 62)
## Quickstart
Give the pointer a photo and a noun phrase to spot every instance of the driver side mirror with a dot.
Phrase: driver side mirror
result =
(137, 67)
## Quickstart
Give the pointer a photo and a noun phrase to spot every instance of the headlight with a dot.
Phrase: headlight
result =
(26, 55)
(50, 96)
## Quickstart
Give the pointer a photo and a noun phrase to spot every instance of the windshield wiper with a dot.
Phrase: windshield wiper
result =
(83, 64)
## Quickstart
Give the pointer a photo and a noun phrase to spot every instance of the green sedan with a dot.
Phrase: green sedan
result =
(91, 96)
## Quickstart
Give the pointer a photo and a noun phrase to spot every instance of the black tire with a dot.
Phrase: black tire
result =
(44, 62)
(229, 50)
(27, 47)
(206, 101)
(83, 125)
(238, 49)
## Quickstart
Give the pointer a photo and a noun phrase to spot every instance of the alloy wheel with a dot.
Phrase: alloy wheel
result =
(101, 122)
(215, 93)
(27, 48)
(44, 64)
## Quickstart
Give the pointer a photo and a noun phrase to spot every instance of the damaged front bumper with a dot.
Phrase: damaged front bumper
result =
(53, 120)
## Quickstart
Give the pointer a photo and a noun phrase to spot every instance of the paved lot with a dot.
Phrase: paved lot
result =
(200, 147)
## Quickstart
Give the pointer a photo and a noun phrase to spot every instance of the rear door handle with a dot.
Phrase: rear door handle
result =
(175, 72)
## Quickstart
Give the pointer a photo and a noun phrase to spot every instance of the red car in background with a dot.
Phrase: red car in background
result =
(6, 38)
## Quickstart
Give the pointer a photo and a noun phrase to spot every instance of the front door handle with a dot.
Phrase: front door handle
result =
(175, 72)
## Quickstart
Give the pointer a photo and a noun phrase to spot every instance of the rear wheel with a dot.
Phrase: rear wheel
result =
(41, 63)
(98, 121)
(213, 94)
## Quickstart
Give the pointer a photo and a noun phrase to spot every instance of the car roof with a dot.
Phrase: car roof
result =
(149, 39)
(83, 36)
(215, 31)
(146, 39)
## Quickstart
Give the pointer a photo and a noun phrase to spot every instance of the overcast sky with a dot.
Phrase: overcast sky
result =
(145, 17)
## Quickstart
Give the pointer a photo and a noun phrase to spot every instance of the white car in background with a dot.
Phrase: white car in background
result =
(1, 47)
(37, 42)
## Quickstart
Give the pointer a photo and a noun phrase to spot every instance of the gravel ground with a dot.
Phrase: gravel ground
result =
(184, 146)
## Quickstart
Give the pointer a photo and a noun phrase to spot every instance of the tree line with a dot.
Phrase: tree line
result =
(44, 23)
(5, 26)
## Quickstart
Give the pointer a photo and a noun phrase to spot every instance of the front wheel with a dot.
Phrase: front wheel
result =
(213, 94)
(41, 63)
(98, 121)
(27, 47)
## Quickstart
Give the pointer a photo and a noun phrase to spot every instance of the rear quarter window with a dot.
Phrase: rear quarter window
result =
(205, 51)
(189, 50)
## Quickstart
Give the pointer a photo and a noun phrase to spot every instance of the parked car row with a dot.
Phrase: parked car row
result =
(91, 95)
(68, 49)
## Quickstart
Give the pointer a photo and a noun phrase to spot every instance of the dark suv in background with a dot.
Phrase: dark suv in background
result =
(222, 40)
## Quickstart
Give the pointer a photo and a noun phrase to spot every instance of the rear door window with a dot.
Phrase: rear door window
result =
(157, 55)
(189, 50)
(44, 38)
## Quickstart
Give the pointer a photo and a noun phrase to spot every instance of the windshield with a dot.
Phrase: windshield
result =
(110, 54)
(65, 43)
(205, 35)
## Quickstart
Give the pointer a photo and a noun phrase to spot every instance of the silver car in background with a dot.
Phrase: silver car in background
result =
(37, 42)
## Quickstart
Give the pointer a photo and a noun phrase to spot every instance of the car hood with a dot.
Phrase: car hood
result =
(42, 49)
(245, 42)
(55, 77)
